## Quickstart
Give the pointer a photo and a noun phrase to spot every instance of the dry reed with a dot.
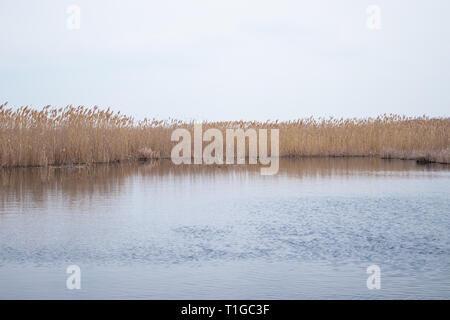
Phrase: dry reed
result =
(81, 135)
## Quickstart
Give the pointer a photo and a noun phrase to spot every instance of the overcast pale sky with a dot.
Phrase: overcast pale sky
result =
(233, 59)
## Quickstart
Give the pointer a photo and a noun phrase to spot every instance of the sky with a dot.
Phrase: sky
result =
(228, 60)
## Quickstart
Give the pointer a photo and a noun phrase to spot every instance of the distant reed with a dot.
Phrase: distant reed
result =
(81, 135)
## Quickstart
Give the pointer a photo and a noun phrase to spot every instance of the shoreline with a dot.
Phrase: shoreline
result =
(418, 160)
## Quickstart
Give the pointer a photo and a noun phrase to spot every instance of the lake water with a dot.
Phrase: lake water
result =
(160, 231)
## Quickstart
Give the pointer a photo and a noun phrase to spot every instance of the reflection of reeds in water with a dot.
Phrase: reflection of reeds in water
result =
(20, 184)
(90, 135)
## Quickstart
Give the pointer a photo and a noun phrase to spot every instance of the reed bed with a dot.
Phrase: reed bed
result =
(81, 135)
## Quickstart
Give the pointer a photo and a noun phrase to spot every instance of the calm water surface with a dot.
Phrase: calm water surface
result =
(159, 231)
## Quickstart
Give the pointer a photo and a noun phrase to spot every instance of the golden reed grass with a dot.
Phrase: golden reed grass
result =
(81, 135)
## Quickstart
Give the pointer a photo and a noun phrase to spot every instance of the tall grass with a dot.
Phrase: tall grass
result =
(74, 135)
